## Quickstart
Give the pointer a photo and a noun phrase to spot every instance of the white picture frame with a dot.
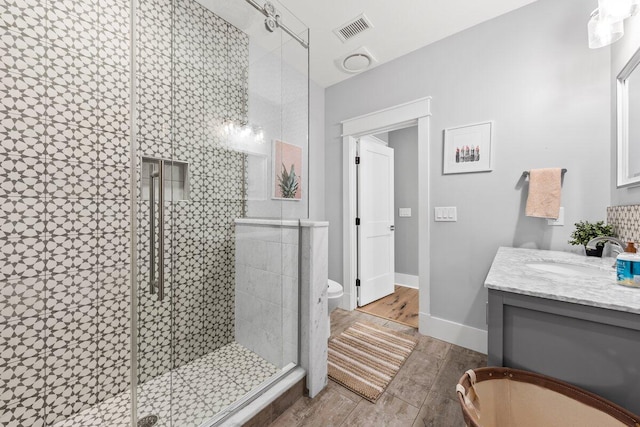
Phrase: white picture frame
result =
(468, 149)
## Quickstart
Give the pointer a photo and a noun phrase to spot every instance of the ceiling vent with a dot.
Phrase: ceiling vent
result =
(353, 28)
(356, 61)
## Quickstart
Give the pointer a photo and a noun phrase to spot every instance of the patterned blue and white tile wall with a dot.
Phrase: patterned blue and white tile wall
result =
(64, 206)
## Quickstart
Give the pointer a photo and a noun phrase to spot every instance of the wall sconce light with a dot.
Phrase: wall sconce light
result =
(606, 24)
(603, 31)
(240, 136)
(616, 10)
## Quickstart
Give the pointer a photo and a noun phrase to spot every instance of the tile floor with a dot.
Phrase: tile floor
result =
(421, 394)
(186, 396)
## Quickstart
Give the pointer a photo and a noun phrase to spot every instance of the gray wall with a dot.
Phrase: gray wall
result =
(530, 71)
(384, 136)
(405, 147)
(621, 52)
(316, 152)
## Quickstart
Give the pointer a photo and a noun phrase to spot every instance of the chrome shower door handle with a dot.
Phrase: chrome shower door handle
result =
(153, 174)
(156, 281)
(161, 231)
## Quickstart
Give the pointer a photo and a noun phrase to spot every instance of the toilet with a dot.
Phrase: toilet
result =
(334, 296)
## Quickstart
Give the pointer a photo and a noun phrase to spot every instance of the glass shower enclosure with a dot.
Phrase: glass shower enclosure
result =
(135, 137)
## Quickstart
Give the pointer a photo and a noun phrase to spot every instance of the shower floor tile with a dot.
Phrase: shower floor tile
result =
(113, 412)
(187, 396)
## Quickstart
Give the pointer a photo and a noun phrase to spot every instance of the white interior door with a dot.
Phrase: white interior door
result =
(376, 265)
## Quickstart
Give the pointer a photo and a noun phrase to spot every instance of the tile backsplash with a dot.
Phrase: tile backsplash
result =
(625, 221)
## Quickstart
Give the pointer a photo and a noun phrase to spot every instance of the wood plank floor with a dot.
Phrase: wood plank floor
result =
(401, 306)
(423, 393)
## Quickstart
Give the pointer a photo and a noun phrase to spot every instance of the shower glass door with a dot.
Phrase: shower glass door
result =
(138, 140)
(221, 107)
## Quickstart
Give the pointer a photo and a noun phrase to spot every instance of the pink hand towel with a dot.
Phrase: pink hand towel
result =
(544, 193)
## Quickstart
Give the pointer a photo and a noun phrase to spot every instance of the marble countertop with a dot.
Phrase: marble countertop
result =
(510, 273)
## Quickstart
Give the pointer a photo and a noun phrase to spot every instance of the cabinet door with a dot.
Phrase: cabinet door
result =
(593, 348)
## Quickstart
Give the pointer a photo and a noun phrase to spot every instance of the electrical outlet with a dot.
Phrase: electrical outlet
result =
(559, 221)
(404, 212)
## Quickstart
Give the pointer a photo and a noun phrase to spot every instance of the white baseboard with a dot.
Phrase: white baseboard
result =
(407, 280)
(454, 333)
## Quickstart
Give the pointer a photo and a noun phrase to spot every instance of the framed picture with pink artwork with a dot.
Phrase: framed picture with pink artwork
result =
(287, 171)
(468, 149)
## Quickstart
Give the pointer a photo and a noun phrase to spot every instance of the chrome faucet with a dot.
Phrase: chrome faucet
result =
(617, 246)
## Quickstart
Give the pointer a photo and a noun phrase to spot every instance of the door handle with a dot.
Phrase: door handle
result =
(392, 227)
(153, 174)
(156, 281)
(161, 230)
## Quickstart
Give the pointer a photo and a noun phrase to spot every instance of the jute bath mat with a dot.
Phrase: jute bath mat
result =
(366, 357)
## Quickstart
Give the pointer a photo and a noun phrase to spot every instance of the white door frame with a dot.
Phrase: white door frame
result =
(417, 112)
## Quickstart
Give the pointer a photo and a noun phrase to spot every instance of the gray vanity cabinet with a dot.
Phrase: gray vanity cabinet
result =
(594, 348)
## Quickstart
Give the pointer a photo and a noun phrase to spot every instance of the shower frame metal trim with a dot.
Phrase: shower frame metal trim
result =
(221, 417)
(133, 304)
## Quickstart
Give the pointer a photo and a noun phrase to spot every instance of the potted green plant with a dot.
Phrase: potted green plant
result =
(585, 231)
(288, 182)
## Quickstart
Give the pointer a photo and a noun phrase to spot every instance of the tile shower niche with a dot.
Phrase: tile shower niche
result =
(175, 176)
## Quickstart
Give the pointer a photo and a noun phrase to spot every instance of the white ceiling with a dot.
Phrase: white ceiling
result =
(399, 27)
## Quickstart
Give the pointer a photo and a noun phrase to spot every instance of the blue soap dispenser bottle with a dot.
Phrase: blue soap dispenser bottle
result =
(628, 267)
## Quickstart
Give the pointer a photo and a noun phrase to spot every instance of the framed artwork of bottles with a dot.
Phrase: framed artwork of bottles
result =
(468, 148)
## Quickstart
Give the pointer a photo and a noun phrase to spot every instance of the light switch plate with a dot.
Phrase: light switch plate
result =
(404, 212)
(559, 221)
(446, 214)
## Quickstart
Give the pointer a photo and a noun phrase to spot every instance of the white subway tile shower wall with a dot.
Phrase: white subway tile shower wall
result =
(64, 207)
(625, 221)
(266, 291)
